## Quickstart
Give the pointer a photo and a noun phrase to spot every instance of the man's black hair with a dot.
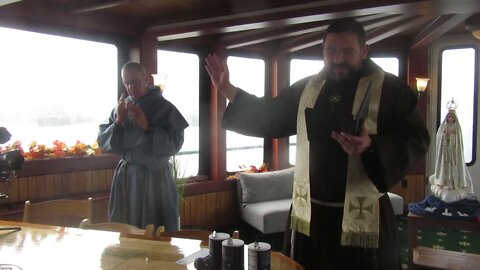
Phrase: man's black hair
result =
(347, 25)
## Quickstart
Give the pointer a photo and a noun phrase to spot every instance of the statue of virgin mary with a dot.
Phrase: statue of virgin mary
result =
(451, 181)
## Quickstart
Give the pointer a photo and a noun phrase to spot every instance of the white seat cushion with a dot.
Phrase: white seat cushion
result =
(269, 216)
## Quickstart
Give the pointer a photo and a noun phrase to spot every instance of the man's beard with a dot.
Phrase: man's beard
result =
(342, 72)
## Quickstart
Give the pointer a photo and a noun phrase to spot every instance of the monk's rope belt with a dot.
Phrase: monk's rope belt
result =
(334, 204)
(329, 204)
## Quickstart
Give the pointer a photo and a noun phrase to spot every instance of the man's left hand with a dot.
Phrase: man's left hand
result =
(351, 144)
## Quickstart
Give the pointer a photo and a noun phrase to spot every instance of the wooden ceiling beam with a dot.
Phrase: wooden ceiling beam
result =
(265, 35)
(386, 32)
(383, 23)
(436, 30)
(39, 16)
(291, 15)
(89, 6)
(307, 41)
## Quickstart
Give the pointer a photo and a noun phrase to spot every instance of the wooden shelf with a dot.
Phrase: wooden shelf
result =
(445, 259)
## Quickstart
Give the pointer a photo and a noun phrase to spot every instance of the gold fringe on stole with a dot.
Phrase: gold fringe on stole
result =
(369, 240)
(301, 226)
(360, 224)
(301, 205)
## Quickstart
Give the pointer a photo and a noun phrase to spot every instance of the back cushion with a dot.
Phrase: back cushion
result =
(267, 186)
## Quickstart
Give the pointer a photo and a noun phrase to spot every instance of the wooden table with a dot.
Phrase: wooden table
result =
(50, 247)
(439, 259)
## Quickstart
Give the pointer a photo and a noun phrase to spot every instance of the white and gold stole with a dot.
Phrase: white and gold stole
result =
(360, 223)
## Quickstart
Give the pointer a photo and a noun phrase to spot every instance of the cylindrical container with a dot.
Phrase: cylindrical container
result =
(215, 248)
(259, 256)
(232, 254)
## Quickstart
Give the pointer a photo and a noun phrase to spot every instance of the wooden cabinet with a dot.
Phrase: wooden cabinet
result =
(439, 259)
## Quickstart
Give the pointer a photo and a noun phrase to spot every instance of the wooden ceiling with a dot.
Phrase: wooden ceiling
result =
(286, 25)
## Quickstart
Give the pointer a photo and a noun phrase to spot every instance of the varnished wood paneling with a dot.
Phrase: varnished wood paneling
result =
(52, 186)
(22, 188)
(12, 190)
(49, 186)
(210, 210)
(109, 178)
(88, 181)
(57, 182)
(95, 180)
(41, 182)
(413, 191)
(69, 183)
(31, 187)
(221, 204)
(202, 211)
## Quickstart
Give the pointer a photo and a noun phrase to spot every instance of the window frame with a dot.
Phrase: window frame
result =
(432, 95)
(267, 86)
(108, 39)
(200, 66)
(475, 92)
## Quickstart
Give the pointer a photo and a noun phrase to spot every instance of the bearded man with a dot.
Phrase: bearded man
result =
(358, 134)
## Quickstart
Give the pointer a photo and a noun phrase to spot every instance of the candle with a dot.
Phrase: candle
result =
(215, 248)
(259, 256)
(232, 254)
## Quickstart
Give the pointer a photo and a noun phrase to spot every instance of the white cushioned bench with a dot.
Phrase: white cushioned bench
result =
(265, 199)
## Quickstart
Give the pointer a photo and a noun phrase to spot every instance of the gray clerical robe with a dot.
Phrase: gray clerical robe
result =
(402, 140)
(143, 189)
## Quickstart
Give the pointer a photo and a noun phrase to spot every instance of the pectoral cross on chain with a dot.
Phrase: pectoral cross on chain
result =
(333, 101)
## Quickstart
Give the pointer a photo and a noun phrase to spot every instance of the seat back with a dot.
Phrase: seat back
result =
(112, 227)
(68, 213)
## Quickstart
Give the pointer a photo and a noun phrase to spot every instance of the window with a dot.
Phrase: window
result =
(181, 71)
(55, 87)
(388, 64)
(457, 81)
(249, 75)
(301, 68)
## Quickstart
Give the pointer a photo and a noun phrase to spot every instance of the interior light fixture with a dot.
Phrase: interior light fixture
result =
(422, 84)
(159, 80)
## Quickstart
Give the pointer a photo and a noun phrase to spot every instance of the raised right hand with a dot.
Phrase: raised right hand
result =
(220, 76)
